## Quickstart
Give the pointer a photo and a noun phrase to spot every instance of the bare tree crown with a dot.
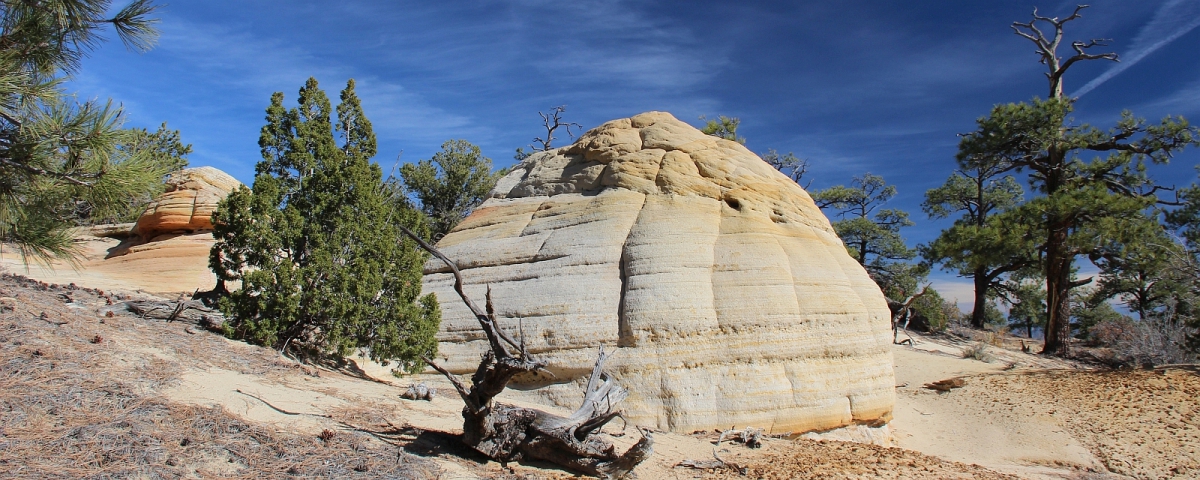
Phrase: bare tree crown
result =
(1047, 47)
(552, 121)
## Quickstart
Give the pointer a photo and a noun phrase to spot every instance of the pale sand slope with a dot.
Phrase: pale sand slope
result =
(171, 264)
(958, 426)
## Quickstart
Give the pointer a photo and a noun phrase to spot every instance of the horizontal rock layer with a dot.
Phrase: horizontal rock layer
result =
(727, 294)
(187, 204)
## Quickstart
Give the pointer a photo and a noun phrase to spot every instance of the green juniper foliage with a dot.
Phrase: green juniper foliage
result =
(62, 162)
(316, 243)
(451, 184)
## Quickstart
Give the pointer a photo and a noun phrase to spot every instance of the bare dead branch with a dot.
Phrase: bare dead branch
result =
(902, 313)
(1048, 48)
(458, 385)
(553, 121)
(504, 432)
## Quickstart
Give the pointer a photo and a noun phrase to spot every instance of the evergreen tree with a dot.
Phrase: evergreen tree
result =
(791, 165)
(1089, 309)
(872, 237)
(1182, 270)
(1027, 304)
(1186, 219)
(983, 244)
(871, 233)
(1135, 271)
(451, 184)
(1081, 202)
(723, 127)
(316, 243)
(60, 160)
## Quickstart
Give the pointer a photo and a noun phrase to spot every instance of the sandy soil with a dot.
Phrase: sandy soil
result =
(1020, 416)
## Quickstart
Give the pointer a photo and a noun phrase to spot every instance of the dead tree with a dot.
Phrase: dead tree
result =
(1047, 47)
(507, 433)
(552, 122)
(901, 313)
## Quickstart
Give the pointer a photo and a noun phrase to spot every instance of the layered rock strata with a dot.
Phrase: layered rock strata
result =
(187, 204)
(727, 295)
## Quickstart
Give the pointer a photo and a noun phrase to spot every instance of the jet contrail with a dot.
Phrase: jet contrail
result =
(1173, 20)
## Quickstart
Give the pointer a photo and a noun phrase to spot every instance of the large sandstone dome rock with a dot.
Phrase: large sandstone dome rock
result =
(728, 297)
(187, 204)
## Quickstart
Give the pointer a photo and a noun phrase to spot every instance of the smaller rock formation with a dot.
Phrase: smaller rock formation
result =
(187, 204)
(165, 252)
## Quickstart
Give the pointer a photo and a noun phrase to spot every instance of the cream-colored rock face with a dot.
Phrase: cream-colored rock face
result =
(727, 296)
(187, 204)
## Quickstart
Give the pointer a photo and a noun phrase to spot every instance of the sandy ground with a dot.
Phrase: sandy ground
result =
(1019, 416)
(957, 426)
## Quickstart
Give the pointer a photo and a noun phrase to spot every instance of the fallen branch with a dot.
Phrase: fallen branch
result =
(946, 385)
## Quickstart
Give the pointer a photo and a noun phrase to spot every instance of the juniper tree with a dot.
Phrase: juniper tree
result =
(59, 159)
(316, 243)
(1081, 201)
(451, 184)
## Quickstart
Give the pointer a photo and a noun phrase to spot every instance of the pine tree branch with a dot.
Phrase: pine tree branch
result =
(39, 171)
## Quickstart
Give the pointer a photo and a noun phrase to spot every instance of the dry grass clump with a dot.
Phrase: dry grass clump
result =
(72, 407)
(979, 351)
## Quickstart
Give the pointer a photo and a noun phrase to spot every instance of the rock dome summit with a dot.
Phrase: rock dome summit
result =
(724, 290)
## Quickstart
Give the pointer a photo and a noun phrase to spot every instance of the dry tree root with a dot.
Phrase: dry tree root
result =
(507, 433)
(191, 311)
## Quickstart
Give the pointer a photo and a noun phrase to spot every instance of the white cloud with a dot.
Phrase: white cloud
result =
(1173, 20)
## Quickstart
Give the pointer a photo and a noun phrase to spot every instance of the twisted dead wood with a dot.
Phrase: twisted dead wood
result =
(506, 433)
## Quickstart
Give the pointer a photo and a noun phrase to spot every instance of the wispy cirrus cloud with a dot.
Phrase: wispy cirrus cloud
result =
(1174, 19)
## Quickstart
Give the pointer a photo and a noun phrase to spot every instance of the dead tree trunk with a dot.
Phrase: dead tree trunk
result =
(506, 433)
(901, 313)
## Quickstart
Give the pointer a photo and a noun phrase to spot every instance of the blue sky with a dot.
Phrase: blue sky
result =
(853, 86)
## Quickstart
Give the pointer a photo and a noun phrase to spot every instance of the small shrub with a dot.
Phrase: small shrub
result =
(995, 339)
(1139, 342)
(979, 351)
